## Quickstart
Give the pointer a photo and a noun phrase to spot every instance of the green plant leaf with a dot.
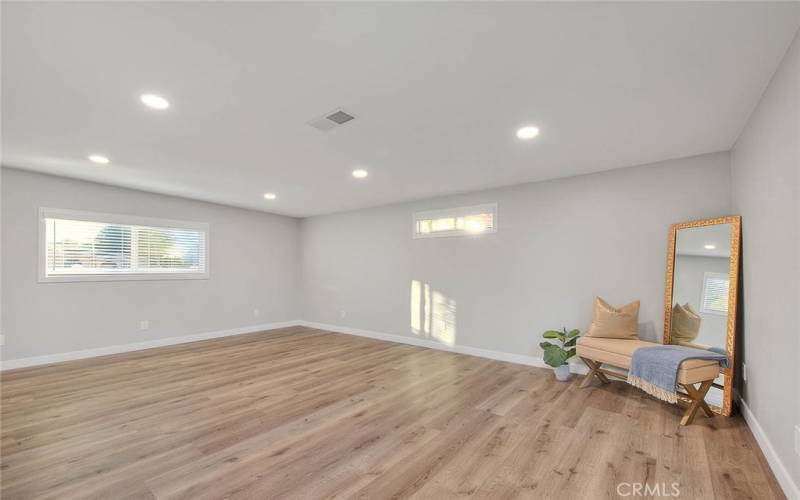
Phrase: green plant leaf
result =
(545, 345)
(571, 342)
(570, 353)
(552, 334)
(573, 333)
(554, 356)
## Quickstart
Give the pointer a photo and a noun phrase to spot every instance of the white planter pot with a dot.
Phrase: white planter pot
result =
(562, 373)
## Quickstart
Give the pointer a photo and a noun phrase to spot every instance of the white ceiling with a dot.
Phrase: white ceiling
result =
(438, 90)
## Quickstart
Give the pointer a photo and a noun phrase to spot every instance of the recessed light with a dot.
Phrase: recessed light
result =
(527, 132)
(102, 160)
(709, 247)
(360, 173)
(154, 101)
(270, 196)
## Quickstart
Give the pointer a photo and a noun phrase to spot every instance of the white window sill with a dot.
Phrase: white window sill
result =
(70, 278)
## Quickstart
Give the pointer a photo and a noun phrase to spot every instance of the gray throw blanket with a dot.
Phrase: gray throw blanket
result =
(655, 369)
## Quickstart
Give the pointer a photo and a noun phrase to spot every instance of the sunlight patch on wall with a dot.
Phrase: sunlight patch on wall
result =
(416, 300)
(443, 319)
(433, 314)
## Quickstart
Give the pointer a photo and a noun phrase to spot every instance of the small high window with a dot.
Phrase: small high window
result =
(461, 221)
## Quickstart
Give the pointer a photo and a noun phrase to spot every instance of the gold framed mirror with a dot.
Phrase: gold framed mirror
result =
(701, 294)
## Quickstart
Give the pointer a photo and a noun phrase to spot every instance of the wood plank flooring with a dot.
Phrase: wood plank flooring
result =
(301, 413)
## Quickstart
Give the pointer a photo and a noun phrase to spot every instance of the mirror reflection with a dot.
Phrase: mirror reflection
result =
(701, 281)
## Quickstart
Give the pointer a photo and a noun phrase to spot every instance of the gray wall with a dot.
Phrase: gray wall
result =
(559, 243)
(254, 264)
(766, 189)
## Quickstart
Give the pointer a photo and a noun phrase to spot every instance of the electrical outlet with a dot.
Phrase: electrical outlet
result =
(144, 324)
(744, 372)
(797, 439)
(343, 313)
(256, 313)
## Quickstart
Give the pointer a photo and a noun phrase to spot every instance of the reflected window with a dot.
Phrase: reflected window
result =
(715, 293)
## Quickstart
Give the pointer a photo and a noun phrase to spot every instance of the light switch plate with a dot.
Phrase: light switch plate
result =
(744, 372)
(144, 324)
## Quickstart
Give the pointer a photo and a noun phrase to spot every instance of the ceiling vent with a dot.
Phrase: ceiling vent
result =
(332, 120)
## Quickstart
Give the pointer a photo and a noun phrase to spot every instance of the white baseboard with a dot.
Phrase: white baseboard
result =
(521, 359)
(790, 488)
(575, 366)
(138, 346)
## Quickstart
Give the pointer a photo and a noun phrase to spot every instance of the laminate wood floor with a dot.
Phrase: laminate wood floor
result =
(301, 413)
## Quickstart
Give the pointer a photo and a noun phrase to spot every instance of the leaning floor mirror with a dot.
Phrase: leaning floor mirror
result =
(701, 291)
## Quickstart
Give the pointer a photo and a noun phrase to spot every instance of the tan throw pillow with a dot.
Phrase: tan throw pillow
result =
(689, 309)
(685, 324)
(610, 323)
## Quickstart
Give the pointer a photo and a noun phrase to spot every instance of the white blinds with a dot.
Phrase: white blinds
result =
(86, 247)
(715, 293)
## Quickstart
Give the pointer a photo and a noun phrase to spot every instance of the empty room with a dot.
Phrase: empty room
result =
(390, 250)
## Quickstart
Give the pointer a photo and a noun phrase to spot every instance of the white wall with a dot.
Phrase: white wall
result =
(766, 189)
(559, 243)
(254, 264)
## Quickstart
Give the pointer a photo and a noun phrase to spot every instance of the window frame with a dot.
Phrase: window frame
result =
(454, 212)
(713, 275)
(80, 215)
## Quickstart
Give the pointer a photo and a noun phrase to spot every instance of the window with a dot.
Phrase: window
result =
(456, 221)
(84, 246)
(715, 293)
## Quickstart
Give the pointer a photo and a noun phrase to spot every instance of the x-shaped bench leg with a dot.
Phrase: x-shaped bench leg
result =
(595, 371)
(698, 396)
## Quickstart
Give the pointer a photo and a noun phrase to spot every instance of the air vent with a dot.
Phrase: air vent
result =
(340, 117)
(332, 120)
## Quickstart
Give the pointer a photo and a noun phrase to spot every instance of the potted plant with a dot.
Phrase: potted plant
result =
(558, 356)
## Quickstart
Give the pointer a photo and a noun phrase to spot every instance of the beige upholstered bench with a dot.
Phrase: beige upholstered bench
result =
(619, 352)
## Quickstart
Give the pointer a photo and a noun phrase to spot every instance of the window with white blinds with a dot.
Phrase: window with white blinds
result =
(715, 293)
(460, 221)
(83, 246)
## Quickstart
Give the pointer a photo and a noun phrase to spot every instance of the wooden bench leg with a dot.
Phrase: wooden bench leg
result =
(695, 394)
(595, 371)
(698, 396)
